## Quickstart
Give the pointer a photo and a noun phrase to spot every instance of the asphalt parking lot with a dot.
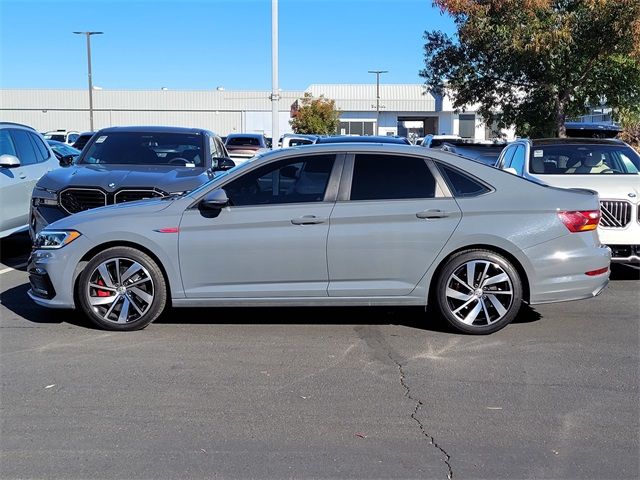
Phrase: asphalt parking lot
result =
(319, 393)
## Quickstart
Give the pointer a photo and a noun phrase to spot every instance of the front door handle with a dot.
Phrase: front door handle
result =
(432, 213)
(308, 220)
(22, 175)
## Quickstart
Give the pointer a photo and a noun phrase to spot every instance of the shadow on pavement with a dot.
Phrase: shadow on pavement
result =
(625, 272)
(17, 300)
(15, 249)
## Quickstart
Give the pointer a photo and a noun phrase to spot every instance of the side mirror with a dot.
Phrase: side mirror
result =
(66, 160)
(215, 200)
(222, 163)
(9, 161)
(511, 170)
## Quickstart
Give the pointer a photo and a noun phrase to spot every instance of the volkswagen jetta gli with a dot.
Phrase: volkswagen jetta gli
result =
(341, 224)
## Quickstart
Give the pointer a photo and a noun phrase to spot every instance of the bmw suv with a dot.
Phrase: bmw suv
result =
(122, 164)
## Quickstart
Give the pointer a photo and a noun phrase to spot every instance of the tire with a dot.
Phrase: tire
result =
(490, 303)
(122, 289)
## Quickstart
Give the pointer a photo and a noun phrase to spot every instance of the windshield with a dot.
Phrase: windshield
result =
(64, 149)
(581, 159)
(141, 148)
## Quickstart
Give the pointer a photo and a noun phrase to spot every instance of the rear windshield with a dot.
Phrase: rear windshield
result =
(243, 142)
(583, 160)
(138, 148)
(53, 136)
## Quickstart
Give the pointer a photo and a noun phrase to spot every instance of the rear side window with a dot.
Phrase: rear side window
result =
(388, 177)
(26, 150)
(462, 185)
(41, 151)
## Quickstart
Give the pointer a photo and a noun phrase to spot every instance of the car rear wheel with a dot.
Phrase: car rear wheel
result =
(479, 292)
(122, 289)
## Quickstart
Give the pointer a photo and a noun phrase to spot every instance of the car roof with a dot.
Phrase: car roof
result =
(154, 129)
(575, 141)
(13, 124)
(363, 139)
(252, 135)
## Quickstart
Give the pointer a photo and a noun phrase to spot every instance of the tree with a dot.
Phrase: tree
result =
(630, 121)
(316, 116)
(535, 63)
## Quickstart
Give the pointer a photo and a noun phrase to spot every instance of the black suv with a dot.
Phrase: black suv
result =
(123, 164)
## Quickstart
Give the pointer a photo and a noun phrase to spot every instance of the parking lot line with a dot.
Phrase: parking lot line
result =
(10, 269)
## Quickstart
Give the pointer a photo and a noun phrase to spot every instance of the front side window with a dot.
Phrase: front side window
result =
(140, 148)
(584, 159)
(72, 137)
(294, 180)
(388, 177)
(6, 144)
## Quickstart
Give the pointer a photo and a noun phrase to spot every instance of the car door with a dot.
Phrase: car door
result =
(390, 222)
(271, 241)
(19, 181)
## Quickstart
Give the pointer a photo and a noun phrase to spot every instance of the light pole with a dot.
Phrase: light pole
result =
(378, 72)
(275, 94)
(88, 35)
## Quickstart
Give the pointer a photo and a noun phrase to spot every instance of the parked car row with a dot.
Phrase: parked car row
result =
(340, 221)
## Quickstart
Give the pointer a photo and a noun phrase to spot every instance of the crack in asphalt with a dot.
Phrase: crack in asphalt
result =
(419, 404)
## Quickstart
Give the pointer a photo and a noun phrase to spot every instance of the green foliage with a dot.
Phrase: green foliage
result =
(535, 63)
(316, 116)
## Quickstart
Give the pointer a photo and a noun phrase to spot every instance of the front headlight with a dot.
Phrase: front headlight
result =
(53, 239)
(44, 196)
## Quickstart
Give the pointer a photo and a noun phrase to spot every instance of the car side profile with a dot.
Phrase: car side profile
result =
(330, 225)
(608, 166)
(24, 158)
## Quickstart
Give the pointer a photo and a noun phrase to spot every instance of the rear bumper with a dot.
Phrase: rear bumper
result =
(560, 268)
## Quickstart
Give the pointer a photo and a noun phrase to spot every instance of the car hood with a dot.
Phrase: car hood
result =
(610, 186)
(139, 209)
(114, 177)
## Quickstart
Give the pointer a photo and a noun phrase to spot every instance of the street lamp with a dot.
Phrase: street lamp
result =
(275, 93)
(88, 35)
(378, 72)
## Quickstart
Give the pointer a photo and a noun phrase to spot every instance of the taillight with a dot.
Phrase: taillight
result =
(580, 221)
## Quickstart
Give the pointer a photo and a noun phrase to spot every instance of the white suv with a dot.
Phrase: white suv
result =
(65, 136)
(610, 167)
(24, 158)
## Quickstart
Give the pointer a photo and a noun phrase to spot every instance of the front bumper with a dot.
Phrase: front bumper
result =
(43, 215)
(625, 253)
(52, 274)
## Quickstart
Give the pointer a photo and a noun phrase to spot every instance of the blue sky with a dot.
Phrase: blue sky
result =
(202, 44)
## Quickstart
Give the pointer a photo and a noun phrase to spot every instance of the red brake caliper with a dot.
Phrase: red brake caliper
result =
(102, 293)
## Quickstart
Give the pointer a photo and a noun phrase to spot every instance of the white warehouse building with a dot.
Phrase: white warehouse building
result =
(406, 110)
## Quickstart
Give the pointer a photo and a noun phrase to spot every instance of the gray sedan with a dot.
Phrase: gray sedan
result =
(336, 224)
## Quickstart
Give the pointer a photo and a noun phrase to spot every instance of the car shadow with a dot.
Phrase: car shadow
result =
(624, 272)
(15, 250)
(420, 318)
(16, 300)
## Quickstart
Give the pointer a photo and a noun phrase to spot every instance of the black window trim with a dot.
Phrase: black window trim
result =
(330, 194)
(440, 164)
(344, 192)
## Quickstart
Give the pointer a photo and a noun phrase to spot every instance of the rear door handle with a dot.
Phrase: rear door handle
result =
(22, 175)
(308, 220)
(432, 213)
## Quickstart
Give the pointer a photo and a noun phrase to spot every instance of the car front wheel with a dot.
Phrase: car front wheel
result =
(122, 289)
(479, 292)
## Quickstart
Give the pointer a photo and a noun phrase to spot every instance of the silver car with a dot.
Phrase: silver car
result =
(24, 158)
(335, 224)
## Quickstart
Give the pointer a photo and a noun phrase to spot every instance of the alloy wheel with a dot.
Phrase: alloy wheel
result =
(120, 290)
(479, 293)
